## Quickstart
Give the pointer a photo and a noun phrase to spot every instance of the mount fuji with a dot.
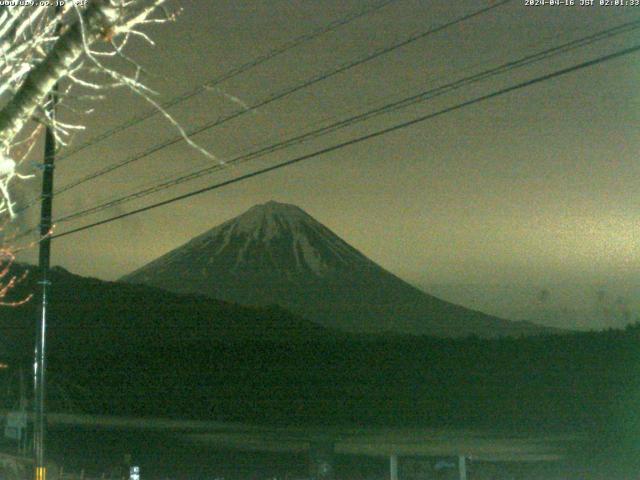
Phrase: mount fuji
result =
(276, 253)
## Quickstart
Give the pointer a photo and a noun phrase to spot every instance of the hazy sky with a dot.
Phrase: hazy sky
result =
(536, 186)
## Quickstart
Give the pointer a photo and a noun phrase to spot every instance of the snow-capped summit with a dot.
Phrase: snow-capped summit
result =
(293, 240)
(269, 218)
(276, 253)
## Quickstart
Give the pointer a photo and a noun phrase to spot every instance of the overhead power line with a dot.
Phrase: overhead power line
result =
(201, 88)
(403, 103)
(278, 96)
(362, 138)
(270, 55)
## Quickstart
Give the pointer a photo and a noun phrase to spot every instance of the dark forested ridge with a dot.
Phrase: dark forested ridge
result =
(91, 317)
(574, 381)
(135, 350)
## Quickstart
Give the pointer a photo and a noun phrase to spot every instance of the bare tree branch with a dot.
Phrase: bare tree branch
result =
(38, 50)
(102, 19)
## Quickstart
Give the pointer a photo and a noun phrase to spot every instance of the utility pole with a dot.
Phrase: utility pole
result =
(39, 419)
(393, 467)
(39, 367)
(23, 446)
(462, 466)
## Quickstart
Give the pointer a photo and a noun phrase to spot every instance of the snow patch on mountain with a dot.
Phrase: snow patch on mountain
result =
(267, 221)
(311, 257)
(262, 226)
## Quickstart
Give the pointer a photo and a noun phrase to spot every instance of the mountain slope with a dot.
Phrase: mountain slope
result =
(91, 316)
(277, 253)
